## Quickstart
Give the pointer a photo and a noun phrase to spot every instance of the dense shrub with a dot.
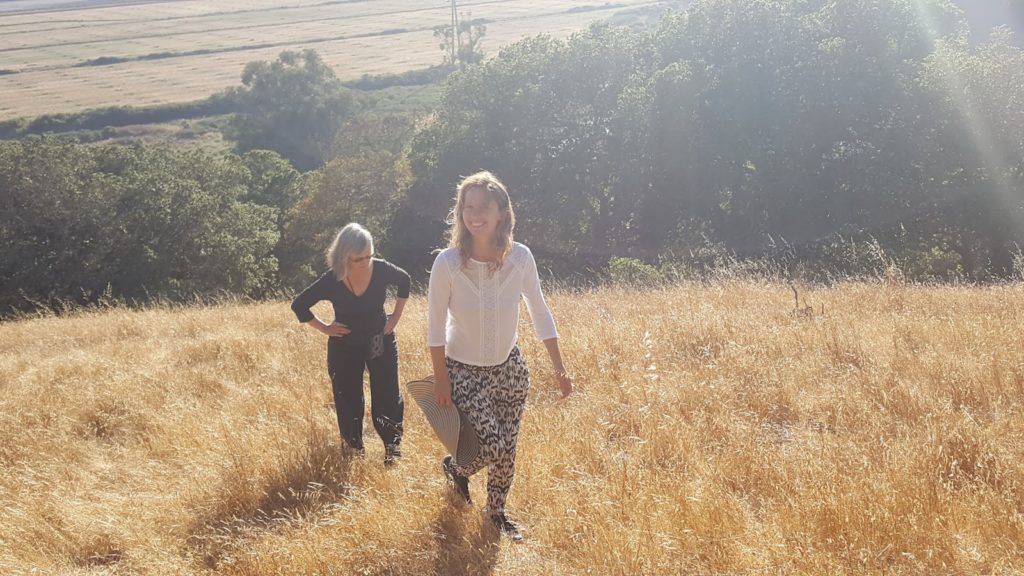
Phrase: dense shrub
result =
(78, 221)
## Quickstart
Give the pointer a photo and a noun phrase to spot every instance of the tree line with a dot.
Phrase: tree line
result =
(813, 138)
(824, 131)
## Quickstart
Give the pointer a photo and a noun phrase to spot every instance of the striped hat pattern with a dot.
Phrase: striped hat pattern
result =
(451, 427)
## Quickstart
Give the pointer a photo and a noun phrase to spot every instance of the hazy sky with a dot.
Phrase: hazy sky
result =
(987, 14)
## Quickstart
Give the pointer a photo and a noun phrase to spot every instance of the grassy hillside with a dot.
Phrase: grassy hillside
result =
(716, 430)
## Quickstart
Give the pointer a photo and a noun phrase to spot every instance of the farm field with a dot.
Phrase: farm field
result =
(716, 429)
(185, 50)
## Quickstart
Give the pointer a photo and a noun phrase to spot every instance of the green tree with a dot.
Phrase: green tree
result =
(805, 121)
(271, 180)
(537, 115)
(138, 220)
(363, 183)
(733, 123)
(182, 225)
(462, 42)
(293, 106)
(974, 166)
(53, 215)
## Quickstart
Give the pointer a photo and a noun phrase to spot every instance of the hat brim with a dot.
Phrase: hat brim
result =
(450, 426)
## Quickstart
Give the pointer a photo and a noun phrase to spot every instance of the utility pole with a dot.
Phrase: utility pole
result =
(456, 35)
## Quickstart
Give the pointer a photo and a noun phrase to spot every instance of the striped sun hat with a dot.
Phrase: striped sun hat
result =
(451, 427)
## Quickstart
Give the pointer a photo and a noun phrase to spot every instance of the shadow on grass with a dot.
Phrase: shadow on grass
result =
(307, 486)
(456, 541)
(466, 544)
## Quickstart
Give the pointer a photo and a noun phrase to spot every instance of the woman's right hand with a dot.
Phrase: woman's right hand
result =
(443, 390)
(336, 329)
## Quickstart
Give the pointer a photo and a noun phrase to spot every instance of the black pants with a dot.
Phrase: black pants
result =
(346, 365)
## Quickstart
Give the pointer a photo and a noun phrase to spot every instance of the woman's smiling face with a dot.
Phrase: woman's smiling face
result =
(480, 213)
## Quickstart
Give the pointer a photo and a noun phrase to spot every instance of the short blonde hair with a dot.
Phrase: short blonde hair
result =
(352, 239)
(460, 237)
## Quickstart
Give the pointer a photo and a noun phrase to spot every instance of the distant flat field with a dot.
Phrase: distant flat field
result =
(195, 48)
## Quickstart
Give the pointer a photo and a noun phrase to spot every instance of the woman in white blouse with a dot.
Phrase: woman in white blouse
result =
(473, 312)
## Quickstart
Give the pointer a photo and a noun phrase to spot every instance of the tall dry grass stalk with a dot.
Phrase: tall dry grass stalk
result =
(715, 431)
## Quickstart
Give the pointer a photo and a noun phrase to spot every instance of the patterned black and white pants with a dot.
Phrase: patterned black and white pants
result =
(493, 399)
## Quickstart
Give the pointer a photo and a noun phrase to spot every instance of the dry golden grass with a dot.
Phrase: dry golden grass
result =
(355, 38)
(714, 432)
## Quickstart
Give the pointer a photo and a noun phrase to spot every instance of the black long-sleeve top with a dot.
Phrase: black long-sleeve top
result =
(364, 315)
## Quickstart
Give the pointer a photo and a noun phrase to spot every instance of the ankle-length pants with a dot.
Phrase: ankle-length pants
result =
(346, 365)
(493, 399)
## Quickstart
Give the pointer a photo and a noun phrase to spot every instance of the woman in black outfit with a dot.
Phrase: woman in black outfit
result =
(362, 336)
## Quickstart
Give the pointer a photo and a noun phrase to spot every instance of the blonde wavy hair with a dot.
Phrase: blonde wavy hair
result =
(461, 238)
(352, 239)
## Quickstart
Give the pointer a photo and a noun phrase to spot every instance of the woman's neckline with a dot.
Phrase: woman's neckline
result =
(348, 283)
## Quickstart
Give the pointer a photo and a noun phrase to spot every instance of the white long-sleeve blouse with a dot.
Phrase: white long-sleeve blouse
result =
(475, 315)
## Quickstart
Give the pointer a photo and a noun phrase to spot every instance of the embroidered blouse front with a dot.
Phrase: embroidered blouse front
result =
(475, 314)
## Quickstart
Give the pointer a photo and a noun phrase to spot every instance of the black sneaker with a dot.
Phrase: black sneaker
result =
(353, 450)
(458, 482)
(392, 452)
(508, 528)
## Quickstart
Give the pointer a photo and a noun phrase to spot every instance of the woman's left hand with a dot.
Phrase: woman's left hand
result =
(564, 383)
(389, 326)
